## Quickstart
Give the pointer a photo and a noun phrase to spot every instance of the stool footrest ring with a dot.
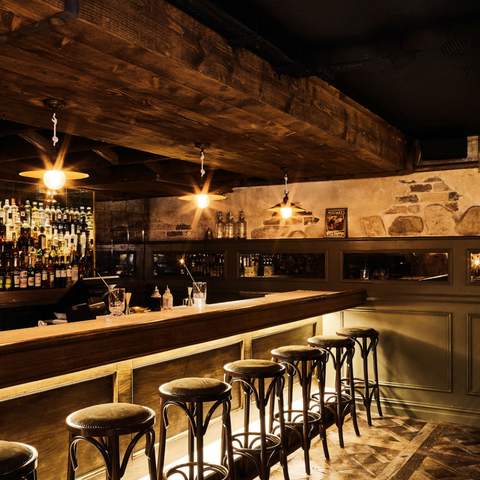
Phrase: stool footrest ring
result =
(207, 467)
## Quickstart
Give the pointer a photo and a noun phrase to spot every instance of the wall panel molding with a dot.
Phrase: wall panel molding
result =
(433, 344)
(473, 358)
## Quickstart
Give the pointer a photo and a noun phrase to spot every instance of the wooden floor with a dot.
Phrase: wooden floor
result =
(394, 448)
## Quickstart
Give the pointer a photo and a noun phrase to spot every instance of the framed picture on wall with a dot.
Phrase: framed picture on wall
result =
(336, 220)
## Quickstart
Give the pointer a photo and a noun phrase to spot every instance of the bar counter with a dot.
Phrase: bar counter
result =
(63, 348)
(49, 372)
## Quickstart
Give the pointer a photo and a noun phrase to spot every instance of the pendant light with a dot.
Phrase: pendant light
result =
(286, 209)
(202, 198)
(55, 177)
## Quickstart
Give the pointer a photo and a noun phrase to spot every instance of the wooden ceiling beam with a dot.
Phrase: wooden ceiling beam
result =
(179, 82)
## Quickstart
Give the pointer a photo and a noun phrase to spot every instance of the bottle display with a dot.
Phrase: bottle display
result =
(229, 228)
(201, 265)
(301, 265)
(43, 245)
(219, 226)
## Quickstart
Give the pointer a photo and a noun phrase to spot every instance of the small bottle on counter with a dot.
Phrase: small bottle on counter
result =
(167, 301)
(157, 298)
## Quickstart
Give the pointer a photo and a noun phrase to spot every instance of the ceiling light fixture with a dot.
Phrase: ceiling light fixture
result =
(54, 177)
(202, 197)
(286, 209)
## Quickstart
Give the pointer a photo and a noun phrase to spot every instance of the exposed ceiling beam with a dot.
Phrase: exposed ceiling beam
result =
(178, 83)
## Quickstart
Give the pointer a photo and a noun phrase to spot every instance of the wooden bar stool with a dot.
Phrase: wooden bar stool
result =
(101, 426)
(260, 448)
(190, 395)
(301, 362)
(18, 461)
(367, 339)
(340, 351)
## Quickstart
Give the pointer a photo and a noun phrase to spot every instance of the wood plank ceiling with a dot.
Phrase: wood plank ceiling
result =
(141, 82)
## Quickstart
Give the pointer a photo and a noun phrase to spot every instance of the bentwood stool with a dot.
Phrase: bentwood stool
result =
(190, 395)
(301, 362)
(102, 425)
(260, 448)
(367, 340)
(18, 461)
(340, 351)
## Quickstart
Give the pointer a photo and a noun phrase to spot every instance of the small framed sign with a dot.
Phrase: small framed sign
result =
(336, 220)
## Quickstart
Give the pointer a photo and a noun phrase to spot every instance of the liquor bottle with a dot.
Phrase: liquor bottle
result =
(63, 272)
(34, 219)
(28, 212)
(45, 279)
(229, 226)
(24, 274)
(3, 231)
(8, 276)
(68, 273)
(16, 273)
(38, 273)
(14, 210)
(30, 273)
(241, 225)
(51, 274)
(42, 239)
(220, 226)
(74, 268)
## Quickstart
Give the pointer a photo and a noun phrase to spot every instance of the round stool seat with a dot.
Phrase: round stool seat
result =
(254, 368)
(330, 341)
(357, 332)
(16, 458)
(292, 353)
(110, 417)
(195, 389)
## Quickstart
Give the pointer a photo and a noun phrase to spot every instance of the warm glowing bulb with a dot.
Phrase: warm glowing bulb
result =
(202, 200)
(286, 212)
(182, 261)
(54, 179)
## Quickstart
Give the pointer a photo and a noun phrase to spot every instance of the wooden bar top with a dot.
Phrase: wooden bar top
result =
(42, 352)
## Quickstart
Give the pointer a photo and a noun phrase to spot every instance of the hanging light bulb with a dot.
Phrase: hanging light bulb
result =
(286, 208)
(202, 198)
(54, 178)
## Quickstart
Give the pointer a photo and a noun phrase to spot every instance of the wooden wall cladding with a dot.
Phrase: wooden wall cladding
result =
(146, 380)
(473, 354)
(415, 349)
(262, 345)
(39, 419)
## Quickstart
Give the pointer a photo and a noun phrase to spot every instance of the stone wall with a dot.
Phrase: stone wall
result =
(421, 204)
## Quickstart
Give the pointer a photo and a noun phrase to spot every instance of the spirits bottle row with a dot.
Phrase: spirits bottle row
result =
(229, 228)
(41, 269)
(16, 217)
(201, 265)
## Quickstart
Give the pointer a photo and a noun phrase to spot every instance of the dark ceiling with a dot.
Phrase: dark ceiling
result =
(413, 62)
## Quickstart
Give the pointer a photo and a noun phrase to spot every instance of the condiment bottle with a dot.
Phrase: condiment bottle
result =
(167, 302)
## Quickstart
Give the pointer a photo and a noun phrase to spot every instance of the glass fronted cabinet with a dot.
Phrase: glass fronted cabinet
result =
(417, 266)
(473, 266)
(200, 264)
(282, 265)
(121, 263)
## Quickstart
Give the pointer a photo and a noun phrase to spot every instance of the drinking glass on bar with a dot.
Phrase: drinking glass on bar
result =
(116, 301)
(199, 294)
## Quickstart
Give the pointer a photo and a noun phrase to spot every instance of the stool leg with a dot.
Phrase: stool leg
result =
(321, 372)
(191, 445)
(366, 398)
(353, 407)
(246, 417)
(281, 421)
(199, 439)
(375, 373)
(264, 470)
(338, 394)
(162, 440)
(305, 401)
(290, 378)
(70, 469)
(272, 411)
(114, 451)
(150, 453)
(227, 436)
